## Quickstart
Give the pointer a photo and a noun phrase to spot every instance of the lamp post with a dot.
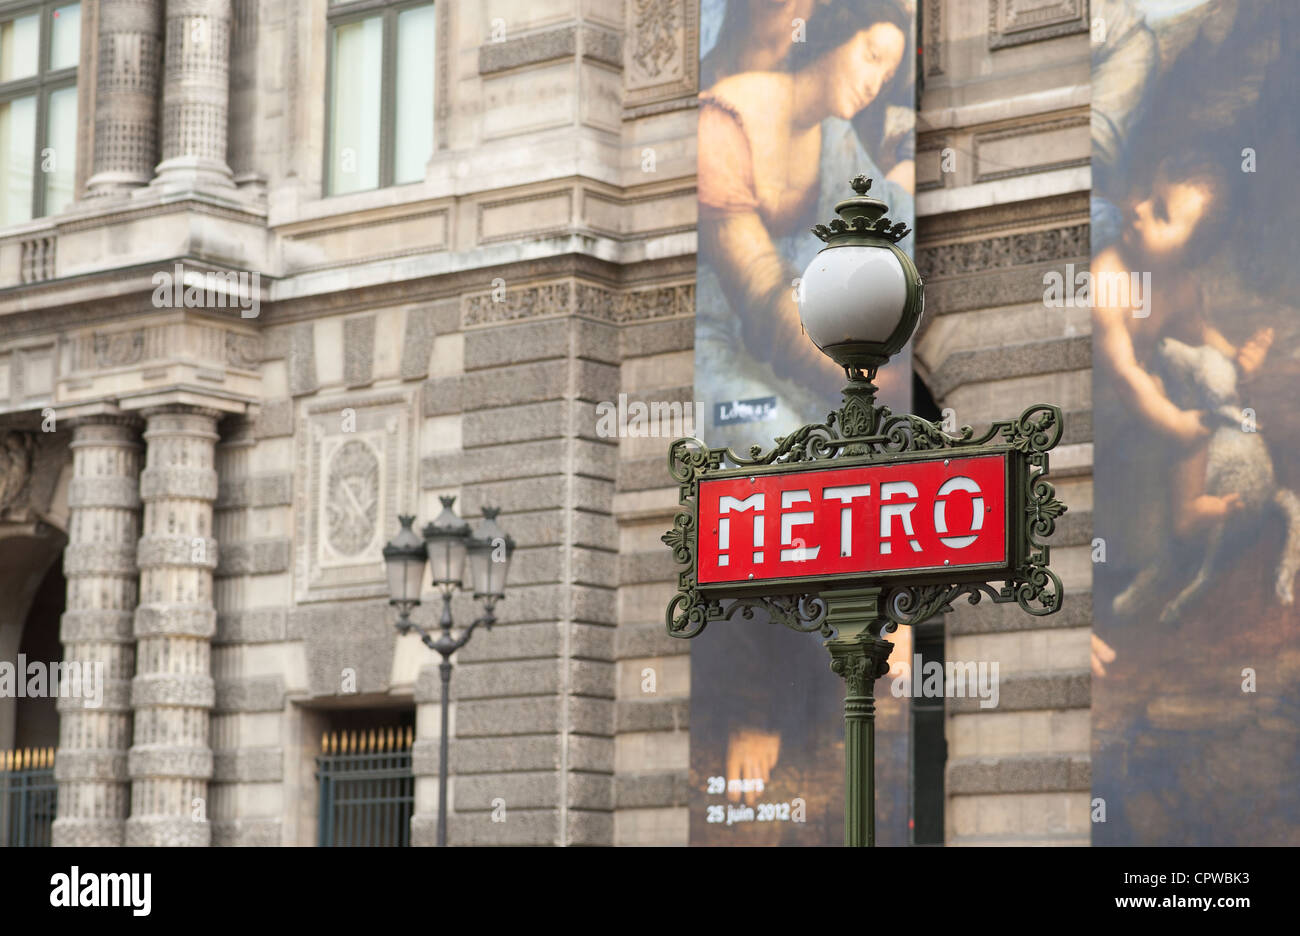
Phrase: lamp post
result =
(449, 548)
(861, 299)
(850, 484)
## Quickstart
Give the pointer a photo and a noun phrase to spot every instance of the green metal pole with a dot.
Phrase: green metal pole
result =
(858, 655)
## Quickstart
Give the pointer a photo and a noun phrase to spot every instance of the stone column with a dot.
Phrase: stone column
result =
(172, 694)
(126, 95)
(99, 563)
(196, 95)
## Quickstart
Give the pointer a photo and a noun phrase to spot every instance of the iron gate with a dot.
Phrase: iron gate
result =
(367, 792)
(28, 797)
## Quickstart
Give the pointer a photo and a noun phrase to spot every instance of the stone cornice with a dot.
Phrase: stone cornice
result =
(119, 310)
(1052, 211)
(453, 285)
(108, 212)
(550, 45)
(110, 294)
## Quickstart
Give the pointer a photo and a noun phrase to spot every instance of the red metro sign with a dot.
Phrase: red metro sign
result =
(882, 520)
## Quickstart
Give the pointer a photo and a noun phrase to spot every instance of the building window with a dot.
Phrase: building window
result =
(380, 87)
(40, 46)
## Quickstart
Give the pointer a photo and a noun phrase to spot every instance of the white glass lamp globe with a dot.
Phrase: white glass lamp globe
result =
(853, 294)
(861, 297)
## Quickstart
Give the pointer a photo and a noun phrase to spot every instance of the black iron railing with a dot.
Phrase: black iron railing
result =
(367, 792)
(28, 797)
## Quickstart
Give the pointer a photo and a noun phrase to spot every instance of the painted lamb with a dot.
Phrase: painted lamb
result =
(1204, 378)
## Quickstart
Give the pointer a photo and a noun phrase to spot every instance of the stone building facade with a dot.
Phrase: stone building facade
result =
(174, 468)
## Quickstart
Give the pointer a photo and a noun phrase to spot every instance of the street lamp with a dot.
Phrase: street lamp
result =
(860, 300)
(405, 557)
(489, 552)
(447, 544)
(446, 539)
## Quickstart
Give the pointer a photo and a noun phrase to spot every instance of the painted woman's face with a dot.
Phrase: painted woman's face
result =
(1165, 221)
(863, 65)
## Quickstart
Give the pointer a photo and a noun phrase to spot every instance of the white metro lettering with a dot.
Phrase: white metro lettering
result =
(959, 483)
(845, 496)
(726, 504)
(791, 520)
(903, 511)
(914, 515)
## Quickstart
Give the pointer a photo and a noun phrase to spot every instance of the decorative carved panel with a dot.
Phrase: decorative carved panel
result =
(660, 51)
(1005, 251)
(350, 507)
(119, 349)
(934, 45)
(577, 298)
(355, 460)
(1017, 22)
(151, 353)
(15, 468)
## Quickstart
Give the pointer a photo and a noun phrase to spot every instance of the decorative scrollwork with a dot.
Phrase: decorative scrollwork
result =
(1035, 588)
(1038, 590)
(911, 605)
(688, 458)
(863, 427)
(1043, 508)
(803, 613)
(1038, 429)
(678, 539)
(689, 612)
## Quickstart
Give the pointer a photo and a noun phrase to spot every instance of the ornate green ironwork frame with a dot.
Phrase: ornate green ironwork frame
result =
(863, 432)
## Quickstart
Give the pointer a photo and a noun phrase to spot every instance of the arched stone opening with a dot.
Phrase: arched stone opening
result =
(31, 602)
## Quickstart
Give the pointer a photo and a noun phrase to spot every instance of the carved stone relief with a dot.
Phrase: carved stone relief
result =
(609, 305)
(660, 52)
(1017, 22)
(355, 460)
(15, 468)
(352, 484)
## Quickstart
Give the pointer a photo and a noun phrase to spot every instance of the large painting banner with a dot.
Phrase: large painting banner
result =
(1196, 653)
(796, 98)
